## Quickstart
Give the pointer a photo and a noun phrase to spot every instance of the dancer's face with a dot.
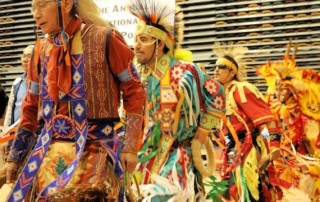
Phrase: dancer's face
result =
(46, 15)
(144, 49)
(283, 93)
(223, 73)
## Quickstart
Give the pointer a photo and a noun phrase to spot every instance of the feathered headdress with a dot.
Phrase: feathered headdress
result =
(303, 83)
(159, 19)
(232, 56)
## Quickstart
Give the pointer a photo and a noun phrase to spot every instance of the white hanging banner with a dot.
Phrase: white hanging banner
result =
(115, 12)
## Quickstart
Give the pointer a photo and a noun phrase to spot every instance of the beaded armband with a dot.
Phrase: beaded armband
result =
(133, 133)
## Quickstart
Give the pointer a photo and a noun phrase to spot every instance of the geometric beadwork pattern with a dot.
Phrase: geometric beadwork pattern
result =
(79, 109)
(76, 77)
(218, 102)
(211, 86)
(107, 130)
(81, 131)
(175, 75)
(31, 168)
(133, 73)
(61, 125)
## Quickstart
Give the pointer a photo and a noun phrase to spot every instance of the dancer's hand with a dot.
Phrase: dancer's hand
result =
(202, 138)
(129, 161)
(10, 169)
(4, 150)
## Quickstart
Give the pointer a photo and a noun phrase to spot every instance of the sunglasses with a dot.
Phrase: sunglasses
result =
(221, 67)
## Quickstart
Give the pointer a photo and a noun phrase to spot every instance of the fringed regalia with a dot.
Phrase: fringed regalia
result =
(181, 102)
(245, 146)
(246, 132)
(178, 93)
(293, 95)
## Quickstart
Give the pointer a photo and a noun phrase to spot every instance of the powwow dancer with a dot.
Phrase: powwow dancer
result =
(183, 104)
(293, 95)
(247, 117)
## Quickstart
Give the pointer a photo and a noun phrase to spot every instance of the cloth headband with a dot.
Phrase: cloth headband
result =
(228, 61)
(143, 28)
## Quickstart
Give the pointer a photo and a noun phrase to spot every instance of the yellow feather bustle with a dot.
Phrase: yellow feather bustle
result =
(311, 185)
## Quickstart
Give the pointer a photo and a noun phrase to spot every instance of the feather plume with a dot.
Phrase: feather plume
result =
(155, 13)
(268, 72)
(164, 187)
(309, 95)
(299, 85)
(178, 27)
(287, 69)
(307, 184)
(161, 188)
(162, 15)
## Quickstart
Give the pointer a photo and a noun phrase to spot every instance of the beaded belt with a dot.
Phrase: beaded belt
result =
(63, 128)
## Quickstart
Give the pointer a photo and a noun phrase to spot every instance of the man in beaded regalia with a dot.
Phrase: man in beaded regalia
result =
(182, 106)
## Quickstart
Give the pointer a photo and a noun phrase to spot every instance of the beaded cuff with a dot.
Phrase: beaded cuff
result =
(22, 144)
(132, 138)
